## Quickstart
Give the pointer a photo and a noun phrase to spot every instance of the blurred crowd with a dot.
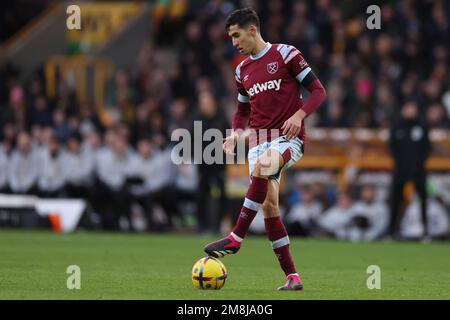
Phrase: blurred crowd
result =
(186, 72)
(111, 176)
(368, 73)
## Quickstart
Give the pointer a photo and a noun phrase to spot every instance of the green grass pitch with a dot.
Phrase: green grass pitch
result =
(33, 265)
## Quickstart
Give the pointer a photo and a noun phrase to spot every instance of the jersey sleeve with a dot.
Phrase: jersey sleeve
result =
(297, 65)
(242, 115)
(300, 70)
(295, 62)
(242, 93)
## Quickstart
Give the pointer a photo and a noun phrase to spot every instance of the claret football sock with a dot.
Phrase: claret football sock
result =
(231, 244)
(254, 198)
(279, 238)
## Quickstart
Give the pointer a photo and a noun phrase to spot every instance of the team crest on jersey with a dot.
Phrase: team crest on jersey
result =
(272, 67)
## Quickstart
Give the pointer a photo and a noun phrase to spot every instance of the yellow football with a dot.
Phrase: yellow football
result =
(209, 273)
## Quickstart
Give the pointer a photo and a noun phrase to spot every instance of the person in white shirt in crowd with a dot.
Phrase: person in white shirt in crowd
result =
(3, 171)
(158, 174)
(335, 220)
(24, 166)
(302, 217)
(412, 228)
(139, 170)
(78, 166)
(36, 136)
(186, 186)
(163, 170)
(52, 180)
(92, 143)
(111, 198)
(45, 138)
(370, 217)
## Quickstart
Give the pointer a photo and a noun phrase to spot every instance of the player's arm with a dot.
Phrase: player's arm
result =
(299, 68)
(241, 116)
(317, 92)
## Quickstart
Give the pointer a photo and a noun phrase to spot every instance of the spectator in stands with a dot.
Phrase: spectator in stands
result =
(159, 186)
(88, 119)
(335, 220)
(438, 221)
(141, 128)
(18, 107)
(157, 123)
(335, 117)
(111, 195)
(410, 147)
(46, 137)
(369, 218)
(324, 194)
(60, 125)
(9, 131)
(24, 166)
(303, 217)
(36, 135)
(35, 89)
(384, 105)
(40, 112)
(78, 166)
(52, 180)
(437, 117)
(139, 171)
(186, 186)
(179, 116)
(92, 143)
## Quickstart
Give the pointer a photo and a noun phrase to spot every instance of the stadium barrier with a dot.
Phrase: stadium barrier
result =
(63, 214)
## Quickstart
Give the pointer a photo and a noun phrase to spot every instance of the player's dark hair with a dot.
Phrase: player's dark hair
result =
(242, 18)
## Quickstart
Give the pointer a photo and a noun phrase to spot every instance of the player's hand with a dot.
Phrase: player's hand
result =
(292, 126)
(230, 143)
